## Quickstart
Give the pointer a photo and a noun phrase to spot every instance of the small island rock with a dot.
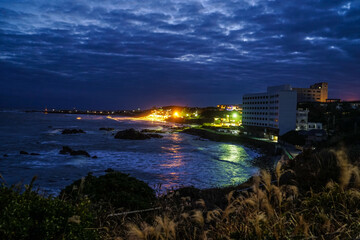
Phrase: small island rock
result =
(106, 129)
(65, 150)
(68, 150)
(131, 134)
(155, 135)
(80, 153)
(72, 131)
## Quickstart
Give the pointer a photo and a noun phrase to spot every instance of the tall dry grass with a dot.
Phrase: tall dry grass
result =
(270, 210)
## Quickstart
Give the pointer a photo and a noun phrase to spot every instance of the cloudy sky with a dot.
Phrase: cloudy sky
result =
(141, 53)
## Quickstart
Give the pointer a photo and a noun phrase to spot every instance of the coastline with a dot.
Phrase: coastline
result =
(214, 197)
(265, 161)
(268, 150)
(47, 141)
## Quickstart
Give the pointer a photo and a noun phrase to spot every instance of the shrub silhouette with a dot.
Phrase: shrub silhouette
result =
(114, 189)
(28, 215)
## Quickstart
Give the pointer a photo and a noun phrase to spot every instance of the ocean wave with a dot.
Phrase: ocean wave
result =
(11, 111)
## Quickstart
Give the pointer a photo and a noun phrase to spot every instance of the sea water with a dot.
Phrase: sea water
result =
(173, 161)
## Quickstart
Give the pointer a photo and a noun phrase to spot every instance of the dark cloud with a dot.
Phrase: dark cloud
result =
(119, 54)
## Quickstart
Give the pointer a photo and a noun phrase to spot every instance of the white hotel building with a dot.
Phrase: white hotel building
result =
(272, 112)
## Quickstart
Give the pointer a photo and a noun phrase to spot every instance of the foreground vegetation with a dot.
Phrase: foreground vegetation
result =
(276, 207)
(26, 214)
(315, 196)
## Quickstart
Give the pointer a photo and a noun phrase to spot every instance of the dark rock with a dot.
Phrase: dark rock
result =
(80, 153)
(5, 155)
(34, 154)
(106, 129)
(72, 131)
(109, 170)
(155, 135)
(94, 156)
(131, 134)
(23, 152)
(68, 150)
(65, 150)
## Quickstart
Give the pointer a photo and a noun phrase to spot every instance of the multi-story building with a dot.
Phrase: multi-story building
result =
(316, 93)
(272, 112)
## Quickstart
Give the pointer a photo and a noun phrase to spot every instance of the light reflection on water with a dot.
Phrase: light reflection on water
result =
(232, 153)
(173, 161)
(238, 157)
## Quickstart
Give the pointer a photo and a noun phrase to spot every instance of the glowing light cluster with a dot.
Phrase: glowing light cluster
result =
(164, 114)
(158, 115)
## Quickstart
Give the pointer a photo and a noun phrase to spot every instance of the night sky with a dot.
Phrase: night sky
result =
(141, 53)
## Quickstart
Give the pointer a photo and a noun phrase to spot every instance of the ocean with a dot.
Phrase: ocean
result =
(173, 161)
